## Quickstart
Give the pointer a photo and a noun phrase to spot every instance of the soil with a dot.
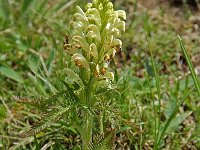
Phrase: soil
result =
(175, 16)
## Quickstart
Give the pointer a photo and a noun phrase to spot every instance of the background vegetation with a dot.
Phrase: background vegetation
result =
(152, 76)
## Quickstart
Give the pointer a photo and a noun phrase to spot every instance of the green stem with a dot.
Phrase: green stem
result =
(88, 121)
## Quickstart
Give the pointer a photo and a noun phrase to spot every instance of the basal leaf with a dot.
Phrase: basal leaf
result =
(10, 73)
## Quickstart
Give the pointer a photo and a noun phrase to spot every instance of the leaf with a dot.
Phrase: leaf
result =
(169, 108)
(124, 128)
(33, 64)
(53, 117)
(173, 126)
(172, 116)
(38, 85)
(71, 75)
(72, 96)
(190, 65)
(10, 73)
(5, 9)
(149, 68)
(25, 5)
(22, 142)
(36, 143)
(3, 113)
(103, 142)
(50, 59)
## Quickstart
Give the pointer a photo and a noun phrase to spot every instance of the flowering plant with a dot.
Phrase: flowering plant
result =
(94, 41)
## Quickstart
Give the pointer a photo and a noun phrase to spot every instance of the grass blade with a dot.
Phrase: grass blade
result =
(10, 73)
(158, 90)
(173, 114)
(194, 76)
(25, 5)
(36, 143)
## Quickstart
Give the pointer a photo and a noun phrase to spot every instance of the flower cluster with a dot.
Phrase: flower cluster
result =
(95, 38)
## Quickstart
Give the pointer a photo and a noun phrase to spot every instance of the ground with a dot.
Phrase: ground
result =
(32, 56)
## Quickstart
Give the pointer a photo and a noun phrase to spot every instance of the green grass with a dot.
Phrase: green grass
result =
(149, 107)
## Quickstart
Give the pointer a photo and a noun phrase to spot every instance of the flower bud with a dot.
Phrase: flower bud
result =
(100, 7)
(108, 26)
(121, 14)
(81, 41)
(94, 32)
(110, 5)
(95, 2)
(81, 19)
(93, 51)
(78, 29)
(111, 53)
(97, 70)
(116, 42)
(67, 46)
(103, 71)
(113, 18)
(109, 75)
(107, 57)
(80, 61)
(89, 5)
(93, 14)
(116, 32)
(80, 11)
(105, 65)
(120, 25)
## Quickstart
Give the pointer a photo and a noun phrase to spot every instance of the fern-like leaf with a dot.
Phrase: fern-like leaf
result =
(103, 142)
(71, 94)
(48, 121)
(40, 103)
